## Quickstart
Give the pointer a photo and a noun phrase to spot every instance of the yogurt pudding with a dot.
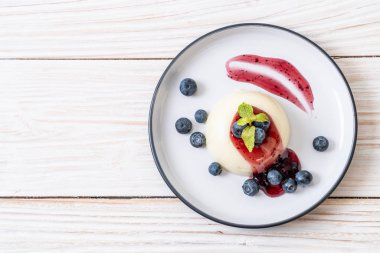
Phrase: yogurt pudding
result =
(229, 151)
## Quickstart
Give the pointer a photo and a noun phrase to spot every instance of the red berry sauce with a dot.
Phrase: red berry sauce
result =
(269, 155)
(288, 164)
(267, 83)
(264, 154)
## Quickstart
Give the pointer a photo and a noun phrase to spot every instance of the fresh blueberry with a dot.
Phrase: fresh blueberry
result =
(200, 116)
(304, 177)
(294, 166)
(263, 125)
(290, 169)
(215, 169)
(183, 125)
(290, 185)
(259, 135)
(250, 187)
(197, 139)
(274, 177)
(320, 143)
(237, 130)
(188, 87)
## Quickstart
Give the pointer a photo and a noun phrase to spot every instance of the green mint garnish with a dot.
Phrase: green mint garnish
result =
(248, 137)
(261, 117)
(247, 117)
(243, 121)
(245, 110)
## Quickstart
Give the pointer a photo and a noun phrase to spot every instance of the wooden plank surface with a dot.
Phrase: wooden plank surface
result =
(79, 128)
(152, 28)
(166, 225)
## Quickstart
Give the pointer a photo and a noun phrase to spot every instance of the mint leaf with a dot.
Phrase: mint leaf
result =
(247, 120)
(261, 117)
(243, 121)
(248, 137)
(245, 110)
(251, 118)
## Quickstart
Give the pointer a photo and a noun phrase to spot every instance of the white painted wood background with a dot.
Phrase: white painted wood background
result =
(76, 173)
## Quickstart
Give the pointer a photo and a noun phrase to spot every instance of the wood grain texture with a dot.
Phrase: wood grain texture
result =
(166, 225)
(79, 128)
(151, 28)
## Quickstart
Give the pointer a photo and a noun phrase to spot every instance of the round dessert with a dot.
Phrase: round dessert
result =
(231, 152)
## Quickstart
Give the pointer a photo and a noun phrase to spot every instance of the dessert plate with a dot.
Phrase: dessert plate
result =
(185, 168)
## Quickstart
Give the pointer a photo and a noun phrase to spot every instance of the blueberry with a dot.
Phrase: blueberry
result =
(183, 125)
(200, 116)
(290, 169)
(215, 169)
(188, 87)
(259, 135)
(294, 166)
(304, 177)
(250, 187)
(290, 185)
(263, 125)
(274, 177)
(197, 139)
(320, 143)
(237, 130)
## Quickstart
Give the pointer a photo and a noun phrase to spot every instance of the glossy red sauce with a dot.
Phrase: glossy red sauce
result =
(264, 154)
(266, 82)
(270, 154)
(288, 164)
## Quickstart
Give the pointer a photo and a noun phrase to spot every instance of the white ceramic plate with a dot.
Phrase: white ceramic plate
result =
(185, 169)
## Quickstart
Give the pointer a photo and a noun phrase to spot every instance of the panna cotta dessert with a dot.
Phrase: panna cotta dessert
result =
(247, 132)
(230, 151)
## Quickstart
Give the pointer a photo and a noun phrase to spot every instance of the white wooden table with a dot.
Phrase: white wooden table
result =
(76, 172)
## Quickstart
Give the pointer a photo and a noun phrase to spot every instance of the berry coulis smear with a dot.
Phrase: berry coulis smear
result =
(267, 83)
